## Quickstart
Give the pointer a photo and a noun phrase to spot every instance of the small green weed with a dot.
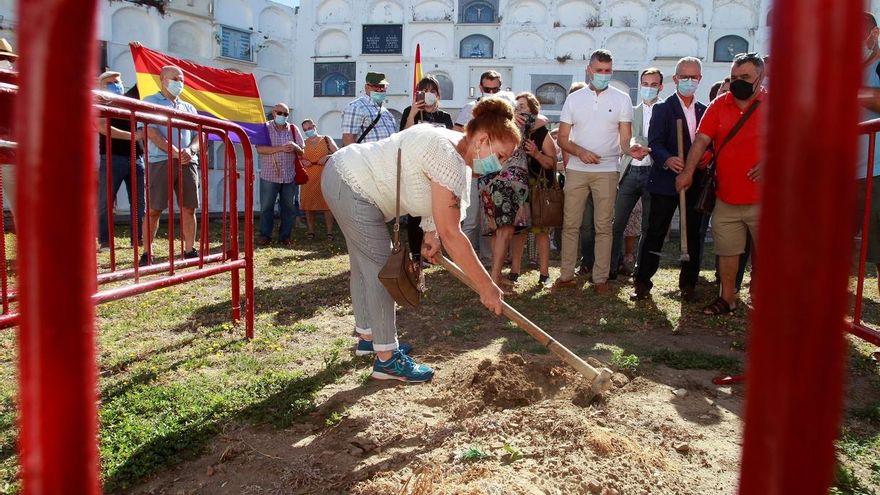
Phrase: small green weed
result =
(627, 363)
(472, 454)
(689, 360)
(334, 418)
(512, 454)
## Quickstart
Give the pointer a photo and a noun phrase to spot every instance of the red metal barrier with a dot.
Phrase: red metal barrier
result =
(57, 290)
(56, 187)
(118, 107)
(797, 349)
(856, 326)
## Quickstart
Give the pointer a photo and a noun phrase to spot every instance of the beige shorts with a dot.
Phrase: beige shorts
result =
(730, 224)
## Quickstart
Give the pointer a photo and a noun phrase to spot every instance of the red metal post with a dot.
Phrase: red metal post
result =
(233, 229)
(56, 157)
(866, 227)
(108, 190)
(248, 237)
(797, 348)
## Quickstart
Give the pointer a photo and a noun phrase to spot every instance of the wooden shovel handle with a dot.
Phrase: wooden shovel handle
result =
(601, 379)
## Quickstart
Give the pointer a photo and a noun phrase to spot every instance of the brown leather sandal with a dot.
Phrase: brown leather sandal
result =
(719, 307)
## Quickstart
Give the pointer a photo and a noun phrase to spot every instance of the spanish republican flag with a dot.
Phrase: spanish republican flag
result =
(417, 71)
(219, 93)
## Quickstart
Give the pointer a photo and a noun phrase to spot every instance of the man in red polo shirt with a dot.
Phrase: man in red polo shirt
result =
(738, 168)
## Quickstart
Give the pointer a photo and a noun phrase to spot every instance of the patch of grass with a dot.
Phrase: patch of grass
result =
(847, 483)
(627, 363)
(304, 327)
(690, 359)
(472, 454)
(869, 413)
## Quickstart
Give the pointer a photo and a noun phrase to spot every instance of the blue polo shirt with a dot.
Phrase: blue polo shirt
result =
(870, 80)
(186, 135)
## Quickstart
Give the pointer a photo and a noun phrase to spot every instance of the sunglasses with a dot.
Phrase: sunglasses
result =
(281, 113)
(490, 90)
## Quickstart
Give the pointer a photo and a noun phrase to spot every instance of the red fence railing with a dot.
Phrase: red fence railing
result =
(856, 325)
(212, 260)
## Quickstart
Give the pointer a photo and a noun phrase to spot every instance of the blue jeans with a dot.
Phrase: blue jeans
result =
(119, 174)
(269, 194)
(630, 190)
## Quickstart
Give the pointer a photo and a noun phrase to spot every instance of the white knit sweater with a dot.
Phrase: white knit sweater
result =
(428, 155)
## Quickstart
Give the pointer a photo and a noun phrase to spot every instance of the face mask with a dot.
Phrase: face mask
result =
(175, 88)
(648, 94)
(742, 90)
(116, 88)
(487, 165)
(311, 133)
(600, 81)
(430, 99)
(377, 97)
(687, 87)
(280, 120)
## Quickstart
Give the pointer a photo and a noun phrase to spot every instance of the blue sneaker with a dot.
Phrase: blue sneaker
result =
(401, 367)
(365, 347)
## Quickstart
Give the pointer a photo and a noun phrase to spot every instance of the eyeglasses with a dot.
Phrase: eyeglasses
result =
(490, 90)
(281, 113)
(377, 87)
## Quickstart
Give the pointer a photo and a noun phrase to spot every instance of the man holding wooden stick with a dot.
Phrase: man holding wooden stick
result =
(668, 162)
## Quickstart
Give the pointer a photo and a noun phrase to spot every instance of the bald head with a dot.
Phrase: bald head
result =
(171, 78)
(169, 71)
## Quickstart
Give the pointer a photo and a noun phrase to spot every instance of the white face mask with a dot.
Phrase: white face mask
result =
(430, 99)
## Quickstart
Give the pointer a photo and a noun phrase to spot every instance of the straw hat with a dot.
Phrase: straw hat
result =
(6, 49)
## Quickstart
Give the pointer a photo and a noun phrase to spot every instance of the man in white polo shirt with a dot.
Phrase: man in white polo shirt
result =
(595, 126)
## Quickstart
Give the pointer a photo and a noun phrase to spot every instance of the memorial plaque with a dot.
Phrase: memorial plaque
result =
(382, 39)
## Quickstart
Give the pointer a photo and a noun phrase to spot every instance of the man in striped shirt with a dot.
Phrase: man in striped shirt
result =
(277, 172)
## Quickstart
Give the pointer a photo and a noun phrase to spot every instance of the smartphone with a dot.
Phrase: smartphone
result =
(420, 96)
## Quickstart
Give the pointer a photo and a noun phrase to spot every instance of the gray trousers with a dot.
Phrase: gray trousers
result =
(369, 246)
(472, 226)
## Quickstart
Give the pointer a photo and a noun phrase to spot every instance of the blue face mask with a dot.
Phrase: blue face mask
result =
(487, 165)
(377, 97)
(175, 88)
(687, 87)
(648, 94)
(116, 88)
(600, 81)
(280, 120)
(311, 133)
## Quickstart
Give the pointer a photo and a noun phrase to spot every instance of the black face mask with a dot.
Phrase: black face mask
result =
(742, 90)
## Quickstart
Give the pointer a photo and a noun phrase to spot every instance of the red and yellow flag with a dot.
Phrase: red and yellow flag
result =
(417, 68)
(219, 93)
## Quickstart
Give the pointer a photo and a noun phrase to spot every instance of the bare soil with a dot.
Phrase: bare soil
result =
(527, 413)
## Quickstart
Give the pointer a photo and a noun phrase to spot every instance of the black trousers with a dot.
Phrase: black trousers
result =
(415, 235)
(659, 219)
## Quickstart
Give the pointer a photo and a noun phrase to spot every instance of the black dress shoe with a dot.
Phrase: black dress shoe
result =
(641, 293)
(688, 294)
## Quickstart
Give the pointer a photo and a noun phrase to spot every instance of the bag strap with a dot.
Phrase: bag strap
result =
(739, 124)
(372, 125)
(396, 244)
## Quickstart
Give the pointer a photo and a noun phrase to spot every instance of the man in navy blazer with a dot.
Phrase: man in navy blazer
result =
(663, 139)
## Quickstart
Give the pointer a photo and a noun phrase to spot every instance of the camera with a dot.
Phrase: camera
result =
(420, 96)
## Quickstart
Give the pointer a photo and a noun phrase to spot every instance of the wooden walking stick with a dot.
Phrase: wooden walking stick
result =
(600, 379)
(682, 209)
